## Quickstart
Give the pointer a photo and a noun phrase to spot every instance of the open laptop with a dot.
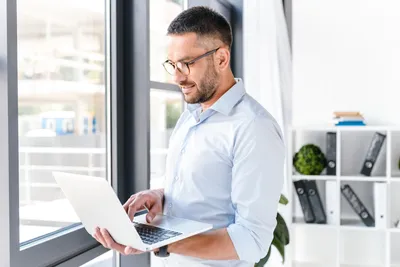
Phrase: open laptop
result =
(96, 204)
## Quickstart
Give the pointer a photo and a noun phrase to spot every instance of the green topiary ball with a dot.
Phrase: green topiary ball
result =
(309, 160)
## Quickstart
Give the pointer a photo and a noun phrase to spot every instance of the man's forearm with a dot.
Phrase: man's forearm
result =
(215, 245)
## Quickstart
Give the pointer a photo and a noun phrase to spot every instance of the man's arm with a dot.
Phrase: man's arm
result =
(257, 180)
(215, 245)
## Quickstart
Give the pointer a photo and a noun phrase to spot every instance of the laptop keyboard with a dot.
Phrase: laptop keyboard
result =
(152, 234)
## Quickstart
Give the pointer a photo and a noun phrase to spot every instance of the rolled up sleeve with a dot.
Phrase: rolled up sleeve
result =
(257, 181)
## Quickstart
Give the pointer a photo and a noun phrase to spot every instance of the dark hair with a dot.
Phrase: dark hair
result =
(204, 22)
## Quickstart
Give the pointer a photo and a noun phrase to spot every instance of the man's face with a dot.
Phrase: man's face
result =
(201, 83)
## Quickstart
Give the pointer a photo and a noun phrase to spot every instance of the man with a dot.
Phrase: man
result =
(226, 155)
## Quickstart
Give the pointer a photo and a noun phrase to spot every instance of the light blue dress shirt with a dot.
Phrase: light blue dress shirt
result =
(225, 167)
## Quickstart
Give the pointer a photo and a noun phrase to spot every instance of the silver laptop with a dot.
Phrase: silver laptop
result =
(96, 204)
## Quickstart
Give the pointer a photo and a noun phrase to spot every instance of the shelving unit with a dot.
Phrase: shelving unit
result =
(345, 241)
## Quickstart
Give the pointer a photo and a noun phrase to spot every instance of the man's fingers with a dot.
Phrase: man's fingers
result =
(111, 243)
(128, 202)
(129, 250)
(137, 204)
(154, 210)
(99, 237)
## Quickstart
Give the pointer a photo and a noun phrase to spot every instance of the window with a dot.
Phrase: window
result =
(54, 111)
(165, 109)
(162, 12)
(61, 103)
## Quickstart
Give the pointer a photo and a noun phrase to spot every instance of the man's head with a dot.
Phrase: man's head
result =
(199, 46)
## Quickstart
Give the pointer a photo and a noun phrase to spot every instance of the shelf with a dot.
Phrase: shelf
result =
(357, 225)
(363, 178)
(314, 177)
(312, 264)
(361, 228)
(343, 178)
(332, 128)
(299, 224)
(351, 243)
(344, 227)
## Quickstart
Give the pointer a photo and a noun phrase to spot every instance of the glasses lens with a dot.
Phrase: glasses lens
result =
(169, 68)
(183, 68)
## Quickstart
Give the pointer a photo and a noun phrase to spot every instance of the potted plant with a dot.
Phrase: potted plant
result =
(281, 236)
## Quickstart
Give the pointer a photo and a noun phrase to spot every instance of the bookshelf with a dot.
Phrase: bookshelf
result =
(344, 240)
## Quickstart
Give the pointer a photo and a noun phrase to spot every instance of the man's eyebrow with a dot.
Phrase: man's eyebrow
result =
(187, 58)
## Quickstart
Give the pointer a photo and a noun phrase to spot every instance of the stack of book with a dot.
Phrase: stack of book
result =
(348, 118)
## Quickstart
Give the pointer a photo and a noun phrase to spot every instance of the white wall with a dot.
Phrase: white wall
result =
(346, 56)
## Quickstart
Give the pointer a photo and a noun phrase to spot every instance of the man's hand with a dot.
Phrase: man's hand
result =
(103, 237)
(151, 199)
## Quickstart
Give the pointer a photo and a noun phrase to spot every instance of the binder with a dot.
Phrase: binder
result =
(331, 200)
(331, 153)
(304, 201)
(372, 154)
(380, 199)
(315, 201)
(357, 205)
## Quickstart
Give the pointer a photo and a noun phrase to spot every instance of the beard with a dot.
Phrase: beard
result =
(206, 88)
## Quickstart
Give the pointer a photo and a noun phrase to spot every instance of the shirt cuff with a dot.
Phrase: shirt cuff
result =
(247, 248)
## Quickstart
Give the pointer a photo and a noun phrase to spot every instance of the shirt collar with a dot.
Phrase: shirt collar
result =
(227, 101)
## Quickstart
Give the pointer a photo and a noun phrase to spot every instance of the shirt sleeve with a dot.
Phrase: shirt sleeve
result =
(257, 182)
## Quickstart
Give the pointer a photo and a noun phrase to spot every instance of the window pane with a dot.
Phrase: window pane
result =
(162, 12)
(61, 106)
(165, 109)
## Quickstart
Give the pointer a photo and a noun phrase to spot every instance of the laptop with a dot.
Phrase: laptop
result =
(96, 204)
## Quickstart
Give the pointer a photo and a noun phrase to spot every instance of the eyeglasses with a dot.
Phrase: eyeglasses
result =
(183, 67)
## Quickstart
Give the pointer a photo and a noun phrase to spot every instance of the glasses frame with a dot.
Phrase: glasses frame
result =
(187, 63)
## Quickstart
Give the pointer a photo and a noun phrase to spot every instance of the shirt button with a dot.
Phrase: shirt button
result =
(170, 205)
(176, 178)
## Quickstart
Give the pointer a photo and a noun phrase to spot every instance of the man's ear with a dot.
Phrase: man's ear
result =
(223, 58)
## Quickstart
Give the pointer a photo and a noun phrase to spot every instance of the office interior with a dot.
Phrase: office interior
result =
(83, 90)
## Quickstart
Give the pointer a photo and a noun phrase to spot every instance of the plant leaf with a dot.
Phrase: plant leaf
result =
(280, 247)
(264, 260)
(281, 230)
(283, 200)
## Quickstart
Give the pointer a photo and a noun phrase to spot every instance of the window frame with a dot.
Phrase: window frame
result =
(51, 249)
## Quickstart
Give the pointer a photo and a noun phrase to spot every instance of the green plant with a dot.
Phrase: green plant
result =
(281, 236)
(309, 160)
(173, 111)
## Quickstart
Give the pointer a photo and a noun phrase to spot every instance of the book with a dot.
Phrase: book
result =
(301, 192)
(331, 153)
(357, 205)
(315, 201)
(331, 196)
(348, 118)
(372, 154)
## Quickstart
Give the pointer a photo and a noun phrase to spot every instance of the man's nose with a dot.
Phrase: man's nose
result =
(178, 77)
